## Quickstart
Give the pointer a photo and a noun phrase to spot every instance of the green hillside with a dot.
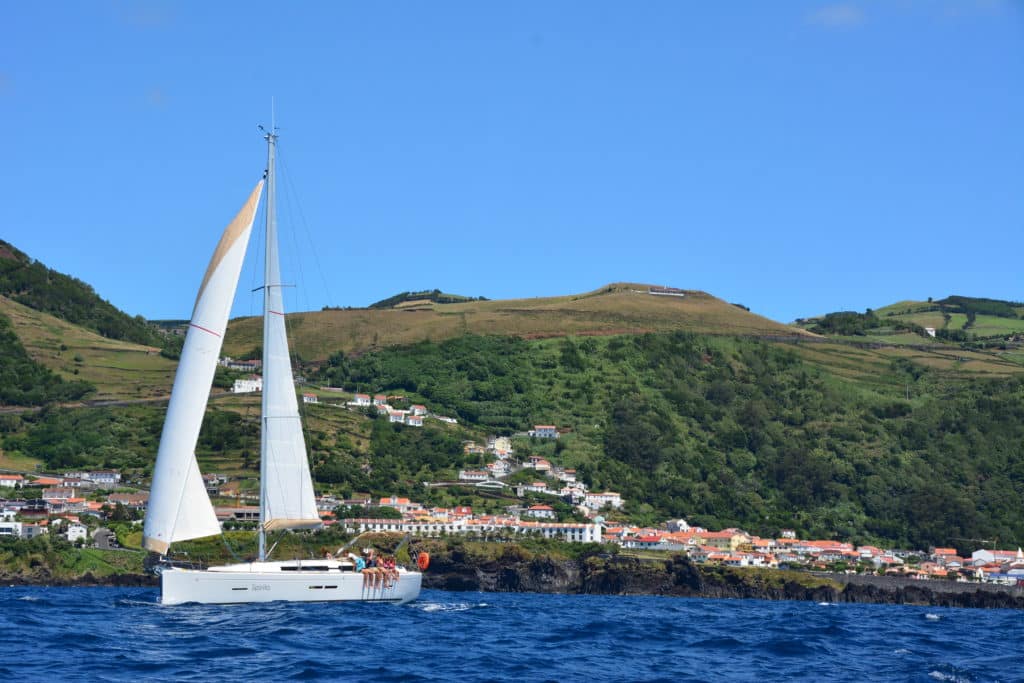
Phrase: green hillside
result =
(31, 283)
(24, 382)
(959, 319)
(731, 431)
(116, 369)
(852, 425)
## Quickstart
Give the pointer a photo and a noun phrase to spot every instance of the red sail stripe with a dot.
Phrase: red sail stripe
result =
(203, 329)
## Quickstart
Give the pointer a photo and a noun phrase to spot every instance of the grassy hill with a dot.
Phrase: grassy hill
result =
(31, 283)
(117, 369)
(955, 318)
(620, 308)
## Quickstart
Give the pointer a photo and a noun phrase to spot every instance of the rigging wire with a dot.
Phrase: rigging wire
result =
(292, 192)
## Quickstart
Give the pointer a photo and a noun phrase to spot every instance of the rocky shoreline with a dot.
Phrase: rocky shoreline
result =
(678, 577)
(516, 571)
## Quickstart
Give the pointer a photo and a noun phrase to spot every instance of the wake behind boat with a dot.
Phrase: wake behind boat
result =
(179, 507)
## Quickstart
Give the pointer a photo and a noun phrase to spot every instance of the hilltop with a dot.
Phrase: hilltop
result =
(618, 308)
(409, 299)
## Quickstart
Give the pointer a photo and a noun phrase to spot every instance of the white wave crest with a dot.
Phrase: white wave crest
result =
(447, 607)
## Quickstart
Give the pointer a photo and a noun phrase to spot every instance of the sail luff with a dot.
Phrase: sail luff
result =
(179, 508)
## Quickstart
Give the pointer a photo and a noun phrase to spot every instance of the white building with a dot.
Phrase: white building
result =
(76, 532)
(544, 432)
(248, 385)
(10, 529)
(414, 420)
(596, 501)
(538, 463)
(396, 416)
(310, 398)
(418, 410)
(104, 477)
(473, 475)
(360, 400)
(571, 533)
(540, 512)
(12, 480)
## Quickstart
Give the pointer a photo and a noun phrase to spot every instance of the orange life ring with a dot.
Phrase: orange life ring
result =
(423, 561)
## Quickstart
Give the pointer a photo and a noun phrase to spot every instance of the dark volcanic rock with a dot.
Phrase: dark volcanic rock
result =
(515, 571)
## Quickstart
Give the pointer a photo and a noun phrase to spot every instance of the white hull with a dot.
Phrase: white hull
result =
(288, 581)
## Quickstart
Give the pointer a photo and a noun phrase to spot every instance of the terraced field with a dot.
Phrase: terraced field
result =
(118, 369)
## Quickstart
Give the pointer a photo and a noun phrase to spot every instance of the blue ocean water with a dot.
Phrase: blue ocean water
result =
(122, 634)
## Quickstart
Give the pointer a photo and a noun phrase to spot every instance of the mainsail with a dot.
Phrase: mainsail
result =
(179, 507)
(288, 500)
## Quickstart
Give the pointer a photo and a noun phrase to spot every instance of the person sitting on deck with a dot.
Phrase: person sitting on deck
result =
(390, 571)
(372, 575)
(358, 563)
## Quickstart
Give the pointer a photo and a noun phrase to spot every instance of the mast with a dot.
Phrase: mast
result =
(271, 275)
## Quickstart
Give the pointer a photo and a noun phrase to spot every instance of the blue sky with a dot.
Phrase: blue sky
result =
(796, 157)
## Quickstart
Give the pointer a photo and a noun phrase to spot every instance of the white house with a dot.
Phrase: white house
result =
(30, 531)
(568, 476)
(10, 529)
(403, 505)
(571, 533)
(310, 398)
(248, 384)
(533, 487)
(104, 477)
(544, 432)
(473, 475)
(76, 532)
(540, 512)
(414, 420)
(418, 410)
(396, 416)
(12, 481)
(361, 400)
(58, 493)
(380, 400)
(499, 468)
(596, 501)
(538, 463)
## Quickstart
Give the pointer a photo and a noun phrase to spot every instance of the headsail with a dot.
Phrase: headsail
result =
(288, 500)
(178, 507)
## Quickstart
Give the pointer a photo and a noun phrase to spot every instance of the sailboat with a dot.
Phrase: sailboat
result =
(179, 507)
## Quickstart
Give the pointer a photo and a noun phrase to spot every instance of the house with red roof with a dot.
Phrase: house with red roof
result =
(544, 432)
(12, 481)
(540, 512)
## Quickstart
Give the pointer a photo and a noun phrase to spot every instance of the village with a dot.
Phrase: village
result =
(77, 504)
